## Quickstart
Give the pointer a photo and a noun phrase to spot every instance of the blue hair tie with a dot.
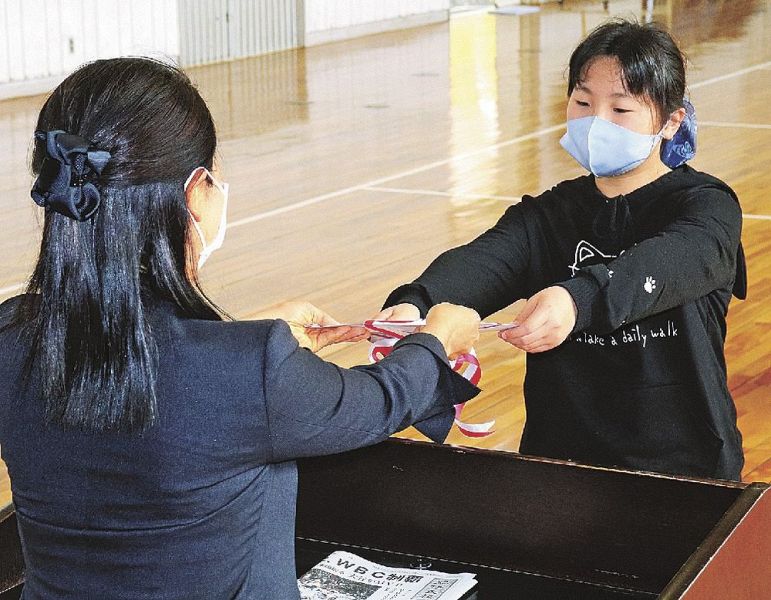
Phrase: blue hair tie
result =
(66, 182)
(682, 147)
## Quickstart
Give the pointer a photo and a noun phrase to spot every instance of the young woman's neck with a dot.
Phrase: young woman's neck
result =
(627, 183)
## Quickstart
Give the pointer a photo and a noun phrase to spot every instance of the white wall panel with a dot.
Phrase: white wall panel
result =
(33, 39)
(5, 73)
(54, 46)
(145, 36)
(323, 15)
(91, 23)
(203, 31)
(171, 28)
(107, 29)
(73, 17)
(14, 39)
(48, 38)
(45, 39)
(214, 30)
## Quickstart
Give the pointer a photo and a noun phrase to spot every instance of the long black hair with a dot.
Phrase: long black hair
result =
(86, 311)
(652, 65)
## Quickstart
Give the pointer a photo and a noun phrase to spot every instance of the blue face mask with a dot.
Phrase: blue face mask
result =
(606, 149)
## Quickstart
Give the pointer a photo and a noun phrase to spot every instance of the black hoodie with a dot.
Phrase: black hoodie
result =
(641, 381)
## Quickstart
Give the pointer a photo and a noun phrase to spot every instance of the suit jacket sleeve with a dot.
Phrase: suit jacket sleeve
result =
(315, 407)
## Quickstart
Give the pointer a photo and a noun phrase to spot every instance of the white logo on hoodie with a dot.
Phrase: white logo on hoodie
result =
(587, 255)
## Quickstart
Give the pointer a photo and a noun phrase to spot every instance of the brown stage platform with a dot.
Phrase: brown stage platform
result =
(529, 528)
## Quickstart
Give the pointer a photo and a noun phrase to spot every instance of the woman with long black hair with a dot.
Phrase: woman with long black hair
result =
(149, 440)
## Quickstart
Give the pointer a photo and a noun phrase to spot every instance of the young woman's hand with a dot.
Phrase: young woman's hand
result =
(302, 316)
(399, 312)
(545, 322)
(457, 327)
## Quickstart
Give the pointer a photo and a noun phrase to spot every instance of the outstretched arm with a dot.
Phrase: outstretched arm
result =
(315, 407)
(484, 274)
(692, 256)
(689, 258)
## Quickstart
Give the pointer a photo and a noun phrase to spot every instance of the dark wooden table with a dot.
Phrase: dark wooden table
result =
(534, 528)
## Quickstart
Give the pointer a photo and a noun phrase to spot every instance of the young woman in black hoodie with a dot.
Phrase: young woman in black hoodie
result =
(628, 274)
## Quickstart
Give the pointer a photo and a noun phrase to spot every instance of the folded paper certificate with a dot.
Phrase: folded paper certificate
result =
(405, 327)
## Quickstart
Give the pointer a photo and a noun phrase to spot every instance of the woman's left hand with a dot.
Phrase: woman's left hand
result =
(301, 316)
(545, 322)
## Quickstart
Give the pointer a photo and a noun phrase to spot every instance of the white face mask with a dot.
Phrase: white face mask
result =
(219, 239)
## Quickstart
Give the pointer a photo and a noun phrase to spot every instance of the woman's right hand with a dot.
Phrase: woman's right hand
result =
(302, 316)
(457, 327)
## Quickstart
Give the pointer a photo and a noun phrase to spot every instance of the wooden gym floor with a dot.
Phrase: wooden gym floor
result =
(353, 164)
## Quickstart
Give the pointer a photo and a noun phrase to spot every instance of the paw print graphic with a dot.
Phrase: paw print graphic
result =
(649, 285)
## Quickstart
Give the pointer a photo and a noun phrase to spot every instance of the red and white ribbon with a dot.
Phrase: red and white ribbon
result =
(386, 333)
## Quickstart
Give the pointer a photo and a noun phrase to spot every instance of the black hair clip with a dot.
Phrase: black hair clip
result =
(67, 179)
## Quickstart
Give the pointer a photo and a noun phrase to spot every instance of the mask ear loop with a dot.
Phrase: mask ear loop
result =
(669, 120)
(660, 134)
(204, 255)
(193, 174)
(222, 186)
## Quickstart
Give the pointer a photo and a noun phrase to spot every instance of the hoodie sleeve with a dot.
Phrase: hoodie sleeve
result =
(692, 256)
(486, 274)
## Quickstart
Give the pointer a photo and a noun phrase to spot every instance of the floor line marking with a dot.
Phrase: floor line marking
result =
(19, 286)
(390, 190)
(387, 178)
(738, 73)
(739, 125)
(439, 163)
(512, 199)
(291, 207)
(427, 167)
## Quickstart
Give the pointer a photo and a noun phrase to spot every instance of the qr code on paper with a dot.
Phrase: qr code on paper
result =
(434, 589)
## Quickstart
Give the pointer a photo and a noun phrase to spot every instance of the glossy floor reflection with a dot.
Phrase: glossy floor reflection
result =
(354, 164)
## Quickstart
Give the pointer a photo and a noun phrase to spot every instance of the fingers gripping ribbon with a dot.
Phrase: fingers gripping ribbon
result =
(467, 365)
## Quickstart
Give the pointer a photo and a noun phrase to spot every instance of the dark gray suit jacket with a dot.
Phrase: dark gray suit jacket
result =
(202, 505)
